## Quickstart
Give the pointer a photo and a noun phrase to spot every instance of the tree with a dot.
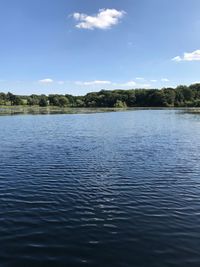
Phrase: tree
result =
(53, 100)
(186, 92)
(63, 101)
(131, 101)
(10, 97)
(2, 99)
(43, 102)
(32, 101)
(141, 97)
(170, 96)
(17, 101)
(156, 98)
(79, 103)
(120, 104)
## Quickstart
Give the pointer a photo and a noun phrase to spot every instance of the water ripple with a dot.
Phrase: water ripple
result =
(100, 190)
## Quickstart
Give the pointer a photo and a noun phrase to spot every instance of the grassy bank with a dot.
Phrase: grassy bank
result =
(34, 110)
(193, 110)
(17, 110)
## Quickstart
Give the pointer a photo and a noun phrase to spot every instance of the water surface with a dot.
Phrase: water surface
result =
(111, 189)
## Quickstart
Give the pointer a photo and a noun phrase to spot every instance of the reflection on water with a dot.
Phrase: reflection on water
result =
(109, 189)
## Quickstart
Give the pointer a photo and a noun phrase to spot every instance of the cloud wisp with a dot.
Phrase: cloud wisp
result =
(193, 56)
(164, 80)
(129, 84)
(46, 81)
(104, 19)
(98, 82)
(126, 85)
(139, 78)
(139, 82)
(132, 84)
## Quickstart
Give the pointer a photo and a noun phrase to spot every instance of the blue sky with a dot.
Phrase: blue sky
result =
(77, 46)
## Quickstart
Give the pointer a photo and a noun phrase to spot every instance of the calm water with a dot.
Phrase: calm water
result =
(111, 189)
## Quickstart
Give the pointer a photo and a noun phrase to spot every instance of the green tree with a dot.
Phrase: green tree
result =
(10, 98)
(131, 98)
(120, 104)
(186, 92)
(170, 96)
(32, 101)
(17, 101)
(79, 103)
(63, 101)
(43, 102)
(3, 99)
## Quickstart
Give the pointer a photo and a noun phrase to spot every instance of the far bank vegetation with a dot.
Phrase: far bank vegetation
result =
(181, 96)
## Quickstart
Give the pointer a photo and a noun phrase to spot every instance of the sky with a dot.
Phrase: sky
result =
(79, 46)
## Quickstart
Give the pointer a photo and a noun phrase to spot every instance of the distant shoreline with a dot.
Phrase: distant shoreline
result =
(181, 96)
(37, 110)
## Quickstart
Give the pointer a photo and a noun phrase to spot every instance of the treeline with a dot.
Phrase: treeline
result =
(181, 96)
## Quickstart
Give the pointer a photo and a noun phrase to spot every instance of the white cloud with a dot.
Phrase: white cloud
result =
(105, 19)
(139, 78)
(164, 80)
(153, 81)
(133, 84)
(46, 81)
(193, 56)
(177, 59)
(196, 82)
(126, 85)
(98, 82)
(129, 84)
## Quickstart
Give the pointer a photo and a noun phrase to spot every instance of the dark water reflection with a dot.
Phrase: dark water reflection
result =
(110, 189)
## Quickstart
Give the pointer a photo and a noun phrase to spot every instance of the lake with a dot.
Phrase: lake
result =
(108, 189)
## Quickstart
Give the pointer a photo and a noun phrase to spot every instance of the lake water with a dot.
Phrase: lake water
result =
(110, 189)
